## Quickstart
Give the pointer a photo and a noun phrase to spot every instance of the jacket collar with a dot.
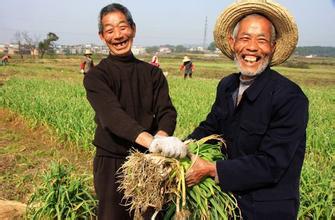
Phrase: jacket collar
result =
(124, 59)
(233, 84)
(258, 85)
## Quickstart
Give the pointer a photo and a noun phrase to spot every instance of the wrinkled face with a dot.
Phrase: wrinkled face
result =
(252, 45)
(117, 34)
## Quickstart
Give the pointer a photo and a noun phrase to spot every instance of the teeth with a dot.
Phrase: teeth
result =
(120, 44)
(250, 59)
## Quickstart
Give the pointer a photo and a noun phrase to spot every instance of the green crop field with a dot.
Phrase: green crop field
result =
(50, 92)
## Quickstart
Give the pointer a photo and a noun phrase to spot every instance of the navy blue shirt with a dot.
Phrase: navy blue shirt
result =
(265, 135)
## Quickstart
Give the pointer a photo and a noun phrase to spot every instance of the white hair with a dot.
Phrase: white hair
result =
(273, 29)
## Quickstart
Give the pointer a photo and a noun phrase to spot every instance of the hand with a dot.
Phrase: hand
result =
(168, 147)
(82, 71)
(154, 147)
(200, 169)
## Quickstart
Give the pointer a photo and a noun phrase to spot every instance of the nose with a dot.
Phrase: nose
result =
(117, 33)
(252, 45)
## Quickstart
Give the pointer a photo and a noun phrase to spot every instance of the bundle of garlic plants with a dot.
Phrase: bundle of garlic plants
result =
(151, 180)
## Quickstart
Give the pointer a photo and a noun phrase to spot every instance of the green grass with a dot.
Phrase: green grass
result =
(193, 100)
(62, 196)
(54, 103)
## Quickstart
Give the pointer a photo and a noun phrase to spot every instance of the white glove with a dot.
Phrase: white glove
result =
(168, 147)
(82, 71)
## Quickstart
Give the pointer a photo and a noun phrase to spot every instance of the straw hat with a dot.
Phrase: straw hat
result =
(186, 58)
(286, 28)
(88, 52)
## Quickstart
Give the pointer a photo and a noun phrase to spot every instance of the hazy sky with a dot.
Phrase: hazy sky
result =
(158, 22)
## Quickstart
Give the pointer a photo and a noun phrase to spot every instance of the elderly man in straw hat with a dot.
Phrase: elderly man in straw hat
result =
(87, 63)
(261, 114)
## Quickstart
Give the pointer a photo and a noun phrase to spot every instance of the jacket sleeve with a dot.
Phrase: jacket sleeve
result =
(108, 110)
(284, 135)
(165, 113)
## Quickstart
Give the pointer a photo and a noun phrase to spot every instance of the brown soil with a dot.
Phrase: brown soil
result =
(26, 152)
(11, 210)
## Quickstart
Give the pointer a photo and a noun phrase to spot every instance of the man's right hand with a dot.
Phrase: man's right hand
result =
(168, 147)
(200, 169)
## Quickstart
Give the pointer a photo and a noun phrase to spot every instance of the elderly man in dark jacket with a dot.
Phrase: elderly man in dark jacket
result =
(132, 108)
(261, 114)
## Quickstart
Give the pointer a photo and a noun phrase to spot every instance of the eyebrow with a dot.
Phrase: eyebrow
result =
(121, 22)
(249, 34)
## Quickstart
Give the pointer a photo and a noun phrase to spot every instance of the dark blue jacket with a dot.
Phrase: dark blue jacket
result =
(266, 140)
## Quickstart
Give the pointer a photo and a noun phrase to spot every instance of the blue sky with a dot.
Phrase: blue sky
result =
(158, 22)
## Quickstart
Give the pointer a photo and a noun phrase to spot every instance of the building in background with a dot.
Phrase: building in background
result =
(138, 50)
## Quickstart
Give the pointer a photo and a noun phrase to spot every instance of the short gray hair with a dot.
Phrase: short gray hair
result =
(114, 8)
(273, 29)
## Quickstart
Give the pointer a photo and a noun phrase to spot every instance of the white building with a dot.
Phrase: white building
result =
(138, 50)
(164, 50)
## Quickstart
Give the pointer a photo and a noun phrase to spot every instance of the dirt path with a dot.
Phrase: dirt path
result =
(25, 153)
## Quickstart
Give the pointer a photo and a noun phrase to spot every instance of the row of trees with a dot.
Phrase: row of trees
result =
(316, 50)
(28, 44)
(178, 48)
(301, 51)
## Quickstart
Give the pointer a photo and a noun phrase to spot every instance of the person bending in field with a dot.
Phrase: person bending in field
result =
(261, 114)
(132, 108)
(187, 66)
(5, 59)
(87, 63)
(154, 60)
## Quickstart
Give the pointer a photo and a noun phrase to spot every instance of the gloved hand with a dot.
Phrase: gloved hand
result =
(82, 71)
(168, 147)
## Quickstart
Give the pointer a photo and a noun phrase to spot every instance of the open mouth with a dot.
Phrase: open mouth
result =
(120, 44)
(251, 58)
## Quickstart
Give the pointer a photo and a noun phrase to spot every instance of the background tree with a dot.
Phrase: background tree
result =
(47, 44)
(152, 49)
(180, 49)
(18, 39)
(26, 44)
(315, 51)
(30, 43)
(67, 51)
(212, 46)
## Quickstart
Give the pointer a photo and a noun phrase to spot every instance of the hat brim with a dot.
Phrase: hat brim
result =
(186, 58)
(286, 28)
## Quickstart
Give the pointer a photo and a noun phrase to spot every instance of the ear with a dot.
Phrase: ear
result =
(134, 30)
(231, 41)
(102, 37)
(273, 47)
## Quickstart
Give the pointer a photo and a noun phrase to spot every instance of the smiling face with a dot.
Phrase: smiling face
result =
(117, 33)
(252, 45)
